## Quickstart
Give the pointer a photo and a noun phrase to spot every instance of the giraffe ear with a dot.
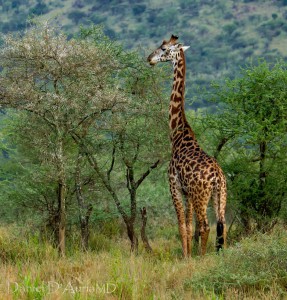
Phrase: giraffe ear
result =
(184, 47)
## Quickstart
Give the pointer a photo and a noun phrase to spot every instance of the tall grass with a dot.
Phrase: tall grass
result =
(255, 268)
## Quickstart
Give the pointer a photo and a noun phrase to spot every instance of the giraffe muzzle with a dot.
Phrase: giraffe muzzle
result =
(151, 61)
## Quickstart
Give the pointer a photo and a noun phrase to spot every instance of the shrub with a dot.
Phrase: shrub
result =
(254, 265)
(19, 245)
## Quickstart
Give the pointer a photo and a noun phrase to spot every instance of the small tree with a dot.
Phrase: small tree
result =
(89, 91)
(64, 84)
(253, 123)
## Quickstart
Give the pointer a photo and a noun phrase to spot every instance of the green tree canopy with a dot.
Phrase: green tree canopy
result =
(253, 120)
(83, 95)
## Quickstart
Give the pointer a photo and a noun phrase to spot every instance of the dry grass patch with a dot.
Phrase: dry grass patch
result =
(256, 268)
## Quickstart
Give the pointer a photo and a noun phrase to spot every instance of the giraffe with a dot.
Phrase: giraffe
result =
(193, 174)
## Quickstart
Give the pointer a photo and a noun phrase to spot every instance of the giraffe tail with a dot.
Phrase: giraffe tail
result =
(219, 198)
(220, 235)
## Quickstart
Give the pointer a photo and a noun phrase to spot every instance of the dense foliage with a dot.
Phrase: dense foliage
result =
(252, 124)
(223, 35)
(88, 122)
(80, 104)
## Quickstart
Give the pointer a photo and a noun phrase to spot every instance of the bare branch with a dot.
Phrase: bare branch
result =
(112, 163)
(143, 231)
(221, 144)
(144, 175)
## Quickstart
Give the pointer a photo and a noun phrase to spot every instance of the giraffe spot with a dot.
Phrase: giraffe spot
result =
(175, 109)
(179, 75)
(210, 176)
(176, 143)
(192, 164)
(200, 160)
(173, 123)
(183, 149)
(176, 98)
(187, 137)
(202, 174)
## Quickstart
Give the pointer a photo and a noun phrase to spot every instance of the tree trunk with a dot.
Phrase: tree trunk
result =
(131, 185)
(84, 217)
(132, 236)
(143, 232)
(62, 216)
(85, 209)
(53, 226)
(264, 209)
(85, 229)
(62, 191)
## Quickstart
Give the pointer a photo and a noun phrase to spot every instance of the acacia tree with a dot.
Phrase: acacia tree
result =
(77, 90)
(252, 124)
(63, 83)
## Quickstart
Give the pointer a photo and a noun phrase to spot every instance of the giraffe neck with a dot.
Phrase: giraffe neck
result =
(177, 119)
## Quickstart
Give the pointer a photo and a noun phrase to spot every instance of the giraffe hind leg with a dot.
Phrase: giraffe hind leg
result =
(203, 225)
(204, 233)
(189, 213)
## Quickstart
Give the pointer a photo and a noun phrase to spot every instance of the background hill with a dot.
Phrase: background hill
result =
(224, 34)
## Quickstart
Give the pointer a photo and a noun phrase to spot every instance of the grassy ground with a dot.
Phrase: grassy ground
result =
(255, 268)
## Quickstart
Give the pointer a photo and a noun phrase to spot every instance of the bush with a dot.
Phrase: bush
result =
(254, 123)
(255, 265)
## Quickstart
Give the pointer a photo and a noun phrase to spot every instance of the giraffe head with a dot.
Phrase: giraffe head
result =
(168, 51)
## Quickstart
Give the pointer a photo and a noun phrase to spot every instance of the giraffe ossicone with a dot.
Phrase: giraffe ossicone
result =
(193, 174)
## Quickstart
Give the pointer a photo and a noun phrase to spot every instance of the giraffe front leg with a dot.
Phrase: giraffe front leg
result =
(181, 224)
(179, 209)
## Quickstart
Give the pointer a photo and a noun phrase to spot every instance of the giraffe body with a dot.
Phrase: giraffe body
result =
(193, 174)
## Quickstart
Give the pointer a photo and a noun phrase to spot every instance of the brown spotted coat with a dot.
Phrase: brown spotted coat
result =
(192, 173)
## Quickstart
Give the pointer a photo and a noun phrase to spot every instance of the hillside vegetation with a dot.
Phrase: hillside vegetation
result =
(224, 35)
